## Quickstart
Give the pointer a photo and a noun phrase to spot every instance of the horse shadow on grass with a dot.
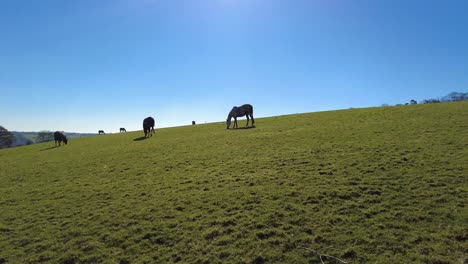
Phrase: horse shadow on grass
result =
(49, 148)
(247, 127)
(139, 139)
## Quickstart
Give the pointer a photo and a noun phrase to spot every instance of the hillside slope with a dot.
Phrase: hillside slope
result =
(375, 185)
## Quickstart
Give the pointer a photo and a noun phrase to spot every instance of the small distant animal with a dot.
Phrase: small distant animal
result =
(101, 132)
(59, 137)
(122, 129)
(239, 111)
(148, 126)
(193, 122)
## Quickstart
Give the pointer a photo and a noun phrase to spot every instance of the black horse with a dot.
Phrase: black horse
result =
(122, 129)
(239, 111)
(101, 132)
(148, 126)
(59, 137)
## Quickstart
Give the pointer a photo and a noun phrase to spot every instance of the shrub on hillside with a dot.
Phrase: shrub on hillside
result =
(6, 138)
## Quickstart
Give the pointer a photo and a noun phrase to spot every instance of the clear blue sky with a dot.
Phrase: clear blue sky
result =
(87, 65)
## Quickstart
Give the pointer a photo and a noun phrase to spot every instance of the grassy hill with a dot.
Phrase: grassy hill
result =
(375, 185)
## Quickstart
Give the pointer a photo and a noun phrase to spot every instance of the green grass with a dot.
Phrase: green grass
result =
(375, 185)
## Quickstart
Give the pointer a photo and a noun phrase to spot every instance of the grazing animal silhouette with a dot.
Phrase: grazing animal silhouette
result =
(148, 126)
(101, 132)
(59, 137)
(122, 129)
(239, 111)
(193, 122)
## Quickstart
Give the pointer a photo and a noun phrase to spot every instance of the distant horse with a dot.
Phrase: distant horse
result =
(193, 123)
(244, 110)
(101, 132)
(148, 126)
(122, 129)
(59, 137)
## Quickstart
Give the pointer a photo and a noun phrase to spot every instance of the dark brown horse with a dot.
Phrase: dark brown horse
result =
(59, 137)
(239, 111)
(148, 126)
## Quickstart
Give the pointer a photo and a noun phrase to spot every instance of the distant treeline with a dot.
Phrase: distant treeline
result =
(451, 97)
(10, 139)
(46, 136)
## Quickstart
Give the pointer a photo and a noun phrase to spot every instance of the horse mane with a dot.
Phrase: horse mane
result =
(232, 112)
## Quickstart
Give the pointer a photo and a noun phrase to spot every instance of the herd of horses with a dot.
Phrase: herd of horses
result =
(148, 123)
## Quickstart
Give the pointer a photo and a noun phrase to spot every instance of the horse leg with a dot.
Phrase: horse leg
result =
(253, 121)
(235, 122)
(247, 120)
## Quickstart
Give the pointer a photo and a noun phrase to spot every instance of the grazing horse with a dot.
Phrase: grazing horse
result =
(101, 132)
(59, 137)
(122, 129)
(148, 126)
(239, 111)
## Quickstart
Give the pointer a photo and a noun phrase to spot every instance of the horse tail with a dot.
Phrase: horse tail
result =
(251, 115)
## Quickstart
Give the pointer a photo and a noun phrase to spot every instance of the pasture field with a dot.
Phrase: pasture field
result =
(374, 185)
